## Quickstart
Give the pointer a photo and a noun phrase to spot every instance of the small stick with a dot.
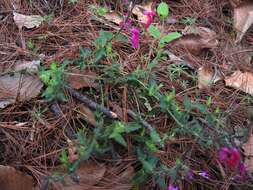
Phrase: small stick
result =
(58, 112)
(91, 104)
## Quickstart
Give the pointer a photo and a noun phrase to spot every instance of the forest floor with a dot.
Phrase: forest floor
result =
(132, 95)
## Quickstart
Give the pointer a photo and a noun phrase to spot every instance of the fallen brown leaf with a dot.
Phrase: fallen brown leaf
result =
(28, 66)
(113, 17)
(195, 40)
(206, 77)
(82, 79)
(243, 18)
(241, 81)
(139, 11)
(18, 87)
(88, 114)
(123, 180)
(11, 179)
(248, 152)
(28, 21)
(90, 174)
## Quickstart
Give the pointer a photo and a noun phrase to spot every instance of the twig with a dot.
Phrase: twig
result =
(58, 112)
(91, 104)
(143, 122)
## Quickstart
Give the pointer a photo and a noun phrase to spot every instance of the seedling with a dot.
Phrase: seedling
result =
(55, 81)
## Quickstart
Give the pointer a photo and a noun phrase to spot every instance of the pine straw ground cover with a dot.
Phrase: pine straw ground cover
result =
(171, 134)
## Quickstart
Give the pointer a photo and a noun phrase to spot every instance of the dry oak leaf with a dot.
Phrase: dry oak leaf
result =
(18, 87)
(121, 181)
(82, 79)
(28, 66)
(195, 39)
(243, 18)
(90, 174)
(248, 152)
(206, 77)
(241, 81)
(113, 17)
(88, 114)
(11, 179)
(28, 21)
(138, 10)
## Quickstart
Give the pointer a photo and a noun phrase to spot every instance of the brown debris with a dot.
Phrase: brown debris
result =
(243, 18)
(241, 81)
(82, 79)
(11, 179)
(195, 40)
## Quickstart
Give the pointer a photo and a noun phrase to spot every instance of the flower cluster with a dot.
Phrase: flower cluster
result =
(172, 187)
(231, 158)
(135, 32)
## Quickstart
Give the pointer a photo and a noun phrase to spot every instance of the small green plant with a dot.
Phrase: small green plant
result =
(55, 81)
(163, 11)
(73, 1)
(101, 11)
(188, 20)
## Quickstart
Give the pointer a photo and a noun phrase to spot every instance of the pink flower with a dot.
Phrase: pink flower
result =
(149, 15)
(190, 174)
(135, 37)
(230, 157)
(126, 25)
(204, 174)
(171, 187)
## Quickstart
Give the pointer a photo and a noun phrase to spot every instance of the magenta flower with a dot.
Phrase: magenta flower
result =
(172, 187)
(126, 25)
(204, 174)
(135, 37)
(149, 15)
(190, 174)
(230, 157)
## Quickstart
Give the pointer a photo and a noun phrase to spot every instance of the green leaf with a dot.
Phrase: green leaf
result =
(187, 104)
(121, 38)
(53, 66)
(154, 31)
(99, 54)
(64, 159)
(168, 38)
(102, 11)
(84, 52)
(131, 127)
(119, 139)
(163, 10)
(155, 136)
(140, 177)
(151, 146)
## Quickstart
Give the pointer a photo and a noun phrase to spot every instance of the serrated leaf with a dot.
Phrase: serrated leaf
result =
(118, 138)
(168, 38)
(154, 31)
(155, 136)
(132, 127)
(163, 10)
